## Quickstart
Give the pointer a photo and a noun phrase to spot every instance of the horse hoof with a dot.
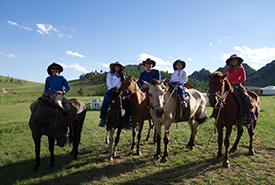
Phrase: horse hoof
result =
(75, 158)
(226, 165)
(138, 153)
(251, 153)
(156, 157)
(164, 160)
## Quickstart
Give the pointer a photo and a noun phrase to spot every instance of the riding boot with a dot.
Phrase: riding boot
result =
(102, 123)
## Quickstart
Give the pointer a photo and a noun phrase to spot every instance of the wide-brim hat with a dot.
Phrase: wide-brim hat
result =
(181, 61)
(149, 60)
(112, 65)
(49, 70)
(240, 60)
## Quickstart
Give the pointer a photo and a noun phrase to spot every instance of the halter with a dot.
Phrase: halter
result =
(130, 91)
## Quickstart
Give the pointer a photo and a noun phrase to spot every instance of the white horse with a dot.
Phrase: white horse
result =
(163, 111)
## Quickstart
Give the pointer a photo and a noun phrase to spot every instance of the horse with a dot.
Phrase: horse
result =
(49, 119)
(116, 119)
(163, 111)
(140, 109)
(226, 112)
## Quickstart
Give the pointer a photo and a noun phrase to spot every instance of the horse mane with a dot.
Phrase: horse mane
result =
(49, 102)
(228, 86)
(155, 82)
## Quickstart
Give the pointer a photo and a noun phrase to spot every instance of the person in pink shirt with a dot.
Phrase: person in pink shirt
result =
(236, 75)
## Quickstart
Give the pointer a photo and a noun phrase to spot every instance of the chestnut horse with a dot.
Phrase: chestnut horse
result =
(226, 112)
(140, 109)
(163, 111)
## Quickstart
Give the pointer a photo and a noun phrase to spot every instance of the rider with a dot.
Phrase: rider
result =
(236, 75)
(149, 74)
(114, 79)
(54, 87)
(179, 78)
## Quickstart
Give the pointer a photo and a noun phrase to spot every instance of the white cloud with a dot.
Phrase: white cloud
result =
(70, 36)
(2, 53)
(189, 59)
(104, 65)
(75, 54)
(45, 29)
(60, 35)
(10, 56)
(75, 67)
(210, 44)
(19, 26)
(256, 58)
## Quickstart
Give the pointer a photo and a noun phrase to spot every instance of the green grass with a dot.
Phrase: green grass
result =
(17, 153)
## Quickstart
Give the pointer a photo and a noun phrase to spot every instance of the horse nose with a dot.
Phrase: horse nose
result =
(159, 112)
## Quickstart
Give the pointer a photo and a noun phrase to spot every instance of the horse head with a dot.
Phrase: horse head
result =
(157, 90)
(218, 85)
(129, 86)
(116, 110)
(61, 130)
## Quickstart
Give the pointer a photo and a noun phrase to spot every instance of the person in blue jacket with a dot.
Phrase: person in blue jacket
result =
(54, 85)
(149, 74)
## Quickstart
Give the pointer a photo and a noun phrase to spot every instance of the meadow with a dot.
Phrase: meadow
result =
(184, 166)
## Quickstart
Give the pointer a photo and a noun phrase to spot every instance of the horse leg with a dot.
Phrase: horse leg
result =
(194, 128)
(51, 148)
(37, 142)
(140, 126)
(158, 132)
(149, 131)
(166, 142)
(220, 137)
(77, 139)
(116, 141)
(239, 135)
(134, 130)
(251, 135)
(226, 163)
(111, 139)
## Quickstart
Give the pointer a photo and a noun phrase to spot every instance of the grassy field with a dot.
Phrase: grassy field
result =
(184, 166)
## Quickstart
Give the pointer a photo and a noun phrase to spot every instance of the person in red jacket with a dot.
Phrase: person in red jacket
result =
(236, 75)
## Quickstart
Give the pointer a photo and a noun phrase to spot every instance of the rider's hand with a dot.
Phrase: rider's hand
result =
(59, 92)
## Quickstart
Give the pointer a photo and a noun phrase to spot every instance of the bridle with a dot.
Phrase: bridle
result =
(221, 97)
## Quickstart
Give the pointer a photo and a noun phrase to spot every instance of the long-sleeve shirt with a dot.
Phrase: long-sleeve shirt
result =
(56, 83)
(113, 80)
(148, 77)
(179, 76)
(237, 76)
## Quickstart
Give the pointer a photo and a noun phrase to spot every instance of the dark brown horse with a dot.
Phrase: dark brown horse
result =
(226, 112)
(116, 119)
(140, 109)
(47, 119)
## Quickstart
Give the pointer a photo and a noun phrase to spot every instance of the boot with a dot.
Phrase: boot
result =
(102, 123)
(128, 125)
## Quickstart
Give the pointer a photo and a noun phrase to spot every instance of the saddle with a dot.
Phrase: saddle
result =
(244, 118)
(49, 101)
(182, 114)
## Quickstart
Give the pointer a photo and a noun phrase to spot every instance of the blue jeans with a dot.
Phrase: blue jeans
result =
(104, 107)
(181, 90)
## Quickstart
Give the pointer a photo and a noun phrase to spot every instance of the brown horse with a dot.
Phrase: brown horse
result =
(226, 112)
(163, 111)
(140, 109)
(47, 119)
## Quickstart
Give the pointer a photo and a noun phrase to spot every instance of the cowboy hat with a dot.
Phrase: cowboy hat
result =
(181, 61)
(112, 65)
(240, 60)
(149, 60)
(49, 70)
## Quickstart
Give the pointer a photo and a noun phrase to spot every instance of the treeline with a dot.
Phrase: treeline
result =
(98, 79)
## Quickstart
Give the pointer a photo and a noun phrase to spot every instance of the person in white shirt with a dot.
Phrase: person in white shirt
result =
(114, 79)
(179, 78)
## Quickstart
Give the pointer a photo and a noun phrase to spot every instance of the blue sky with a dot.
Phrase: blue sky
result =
(88, 35)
